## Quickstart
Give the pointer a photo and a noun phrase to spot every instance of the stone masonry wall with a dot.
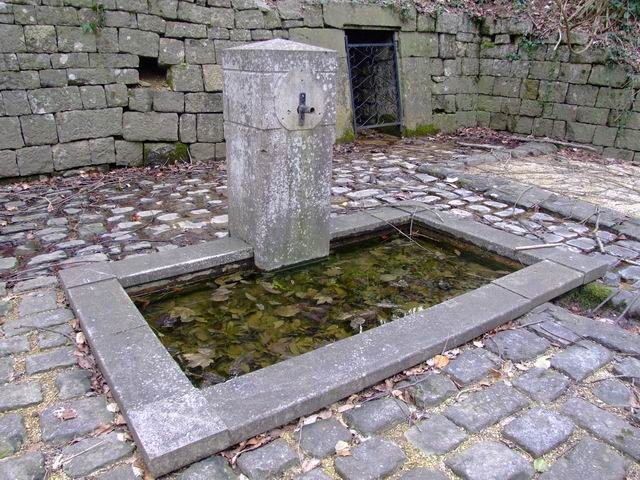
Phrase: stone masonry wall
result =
(71, 96)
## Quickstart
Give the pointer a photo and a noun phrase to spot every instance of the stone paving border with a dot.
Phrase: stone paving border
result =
(175, 424)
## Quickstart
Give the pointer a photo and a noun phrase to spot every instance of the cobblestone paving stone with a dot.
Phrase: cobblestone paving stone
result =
(534, 371)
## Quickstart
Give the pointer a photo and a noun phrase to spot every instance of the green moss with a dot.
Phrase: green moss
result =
(420, 130)
(348, 137)
(487, 44)
(588, 296)
(181, 153)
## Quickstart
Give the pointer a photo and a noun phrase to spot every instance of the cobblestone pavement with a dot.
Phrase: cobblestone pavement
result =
(553, 395)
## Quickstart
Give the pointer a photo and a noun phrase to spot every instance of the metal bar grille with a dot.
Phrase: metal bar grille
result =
(375, 92)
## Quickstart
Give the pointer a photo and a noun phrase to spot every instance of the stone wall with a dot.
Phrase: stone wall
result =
(90, 82)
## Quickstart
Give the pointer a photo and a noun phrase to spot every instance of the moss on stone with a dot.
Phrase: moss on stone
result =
(589, 296)
(421, 130)
(348, 137)
(181, 153)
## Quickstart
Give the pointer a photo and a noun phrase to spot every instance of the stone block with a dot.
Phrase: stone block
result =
(113, 60)
(627, 139)
(544, 70)
(120, 19)
(8, 164)
(141, 99)
(250, 19)
(188, 131)
(203, 102)
(580, 132)
(53, 78)
(150, 126)
(606, 76)
(102, 151)
(416, 44)
(319, 438)
(77, 125)
(86, 458)
(34, 61)
(574, 73)
(129, 154)
(605, 136)
(11, 133)
(186, 78)
(200, 51)
(582, 95)
(595, 116)
(107, 40)
(164, 8)
(152, 23)
(269, 461)
(12, 39)
(339, 14)
(33, 160)
(507, 87)
(70, 60)
(91, 413)
(91, 76)
(93, 97)
(162, 153)
(202, 152)
(326, 38)
(128, 76)
(209, 127)
(212, 76)
(185, 30)
(56, 15)
(15, 102)
(615, 98)
(117, 95)
(435, 436)
(374, 458)
(40, 38)
(74, 39)
(19, 80)
(171, 52)
(138, 42)
(71, 155)
(39, 129)
(552, 91)
(164, 101)
(490, 460)
(9, 61)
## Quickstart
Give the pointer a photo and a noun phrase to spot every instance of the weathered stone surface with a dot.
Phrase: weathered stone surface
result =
(542, 385)
(604, 425)
(517, 345)
(74, 39)
(374, 458)
(37, 302)
(141, 99)
(628, 369)
(11, 345)
(435, 436)
(150, 126)
(486, 460)
(209, 127)
(39, 129)
(32, 160)
(212, 76)
(432, 390)
(12, 434)
(71, 155)
(171, 51)
(613, 392)
(581, 359)
(124, 472)
(423, 474)
(168, 101)
(588, 460)
(203, 102)
(486, 407)
(186, 78)
(129, 153)
(315, 474)
(78, 125)
(267, 462)
(214, 467)
(26, 467)
(12, 39)
(11, 135)
(538, 431)
(43, 362)
(19, 395)
(8, 164)
(377, 415)
(91, 413)
(139, 42)
(319, 439)
(470, 366)
(6, 369)
(91, 454)
(55, 337)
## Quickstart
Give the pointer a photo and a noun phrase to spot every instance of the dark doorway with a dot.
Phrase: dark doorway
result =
(373, 76)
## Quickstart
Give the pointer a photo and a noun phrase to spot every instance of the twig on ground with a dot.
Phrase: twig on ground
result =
(535, 247)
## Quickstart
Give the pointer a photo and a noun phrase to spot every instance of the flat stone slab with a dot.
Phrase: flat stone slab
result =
(604, 425)
(211, 468)
(269, 461)
(517, 345)
(486, 407)
(73, 384)
(124, 472)
(55, 337)
(588, 460)
(613, 392)
(433, 389)
(372, 459)
(538, 431)
(6, 369)
(490, 460)
(315, 474)
(470, 366)
(19, 395)
(377, 415)
(90, 414)
(46, 319)
(436, 435)
(319, 439)
(43, 362)
(91, 454)
(12, 434)
(581, 360)
(36, 302)
(424, 474)
(11, 345)
(27, 467)
(628, 369)
(542, 385)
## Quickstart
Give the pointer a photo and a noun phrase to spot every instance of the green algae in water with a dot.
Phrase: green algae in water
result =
(248, 320)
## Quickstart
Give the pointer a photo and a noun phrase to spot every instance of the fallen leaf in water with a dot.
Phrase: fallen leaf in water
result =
(287, 310)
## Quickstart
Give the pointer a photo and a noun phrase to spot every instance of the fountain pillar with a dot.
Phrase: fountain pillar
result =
(279, 126)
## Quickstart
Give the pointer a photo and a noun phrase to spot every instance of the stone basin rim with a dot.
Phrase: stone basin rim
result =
(175, 424)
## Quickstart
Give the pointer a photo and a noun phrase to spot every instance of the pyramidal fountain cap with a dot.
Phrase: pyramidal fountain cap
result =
(279, 126)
